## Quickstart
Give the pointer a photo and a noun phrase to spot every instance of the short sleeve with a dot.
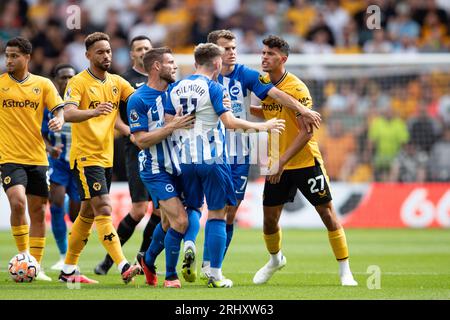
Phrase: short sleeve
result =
(126, 89)
(256, 83)
(217, 93)
(52, 98)
(137, 115)
(301, 93)
(73, 91)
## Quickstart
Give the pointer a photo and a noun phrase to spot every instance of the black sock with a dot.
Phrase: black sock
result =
(126, 228)
(148, 232)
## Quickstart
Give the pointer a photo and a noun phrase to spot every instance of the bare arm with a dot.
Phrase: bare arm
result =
(297, 144)
(122, 127)
(73, 114)
(312, 118)
(231, 122)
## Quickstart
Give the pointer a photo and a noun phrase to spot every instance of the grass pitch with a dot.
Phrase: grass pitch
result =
(414, 264)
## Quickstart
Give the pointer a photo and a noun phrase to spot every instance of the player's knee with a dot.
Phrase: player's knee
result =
(137, 214)
(181, 223)
(18, 205)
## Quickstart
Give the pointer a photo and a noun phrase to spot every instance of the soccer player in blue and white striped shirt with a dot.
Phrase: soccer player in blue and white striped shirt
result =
(159, 168)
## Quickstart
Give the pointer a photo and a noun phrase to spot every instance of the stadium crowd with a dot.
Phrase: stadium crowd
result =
(394, 129)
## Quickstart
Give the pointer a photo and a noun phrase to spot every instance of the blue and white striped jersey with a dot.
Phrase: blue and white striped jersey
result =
(145, 111)
(205, 143)
(239, 84)
(63, 137)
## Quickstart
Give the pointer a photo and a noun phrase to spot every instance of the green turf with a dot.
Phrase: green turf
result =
(414, 264)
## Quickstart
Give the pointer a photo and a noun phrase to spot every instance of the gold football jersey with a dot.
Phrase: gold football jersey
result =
(22, 106)
(93, 139)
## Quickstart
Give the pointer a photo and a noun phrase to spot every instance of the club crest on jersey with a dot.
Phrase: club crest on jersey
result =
(134, 116)
(7, 180)
(36, 90)
(97, 186)
(169, 187)
(235, 90)
(263, 80)
(115, 90)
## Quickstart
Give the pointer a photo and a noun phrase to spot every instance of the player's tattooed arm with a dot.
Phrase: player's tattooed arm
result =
(73, 114)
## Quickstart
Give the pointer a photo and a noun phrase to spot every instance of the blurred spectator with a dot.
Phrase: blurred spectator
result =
(374, 100)
(336, 18)
(341, 99)
(11, 20)
(40, 12)
(402, 28)
(204, 22)
(302, 13)
(335, 135)
(225, 9)
(148, 27)
(251, 43)
(439, 164)
(410, 165)
(348, 42)
(423, 130)
(404, 99)
(387, 134)
(378, 44)
(444, 109)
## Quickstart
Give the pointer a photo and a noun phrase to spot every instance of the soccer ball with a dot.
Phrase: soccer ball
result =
(23, 267)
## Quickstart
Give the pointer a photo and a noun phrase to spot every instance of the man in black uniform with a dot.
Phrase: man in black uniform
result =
(140, 198)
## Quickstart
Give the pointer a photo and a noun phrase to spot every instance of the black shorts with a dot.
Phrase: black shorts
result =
(35, 179)
(92, 181)
(311, 181)
(137, 189)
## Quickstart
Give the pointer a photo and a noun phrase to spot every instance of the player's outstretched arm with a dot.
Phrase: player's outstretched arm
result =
(73, 114)
(312, 118)
(231, 122)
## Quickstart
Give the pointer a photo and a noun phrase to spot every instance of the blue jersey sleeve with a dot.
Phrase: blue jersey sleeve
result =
(44, 129)
(217, 93)
(253, 81)
(137, 114)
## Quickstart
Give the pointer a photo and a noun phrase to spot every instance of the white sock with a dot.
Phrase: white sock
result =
(206, 264)
(69, 268)
(344, 268)
(190, 244)
(275, 259)
(216, 273)
(121, 265)
(62, 257)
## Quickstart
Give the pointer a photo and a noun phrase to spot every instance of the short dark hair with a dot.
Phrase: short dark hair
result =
(153, 55)
(215, 35)
(23, 44)
(94, 37)
(61, 66)
(138, 38)
(277, 42)
(205, 53)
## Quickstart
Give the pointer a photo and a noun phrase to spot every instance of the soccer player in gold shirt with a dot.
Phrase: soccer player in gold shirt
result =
(296, 164)
(91, 102)
(23, 160)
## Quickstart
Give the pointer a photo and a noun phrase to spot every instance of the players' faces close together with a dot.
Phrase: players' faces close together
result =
(230, 54)
(168, 68)
(272, 59)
